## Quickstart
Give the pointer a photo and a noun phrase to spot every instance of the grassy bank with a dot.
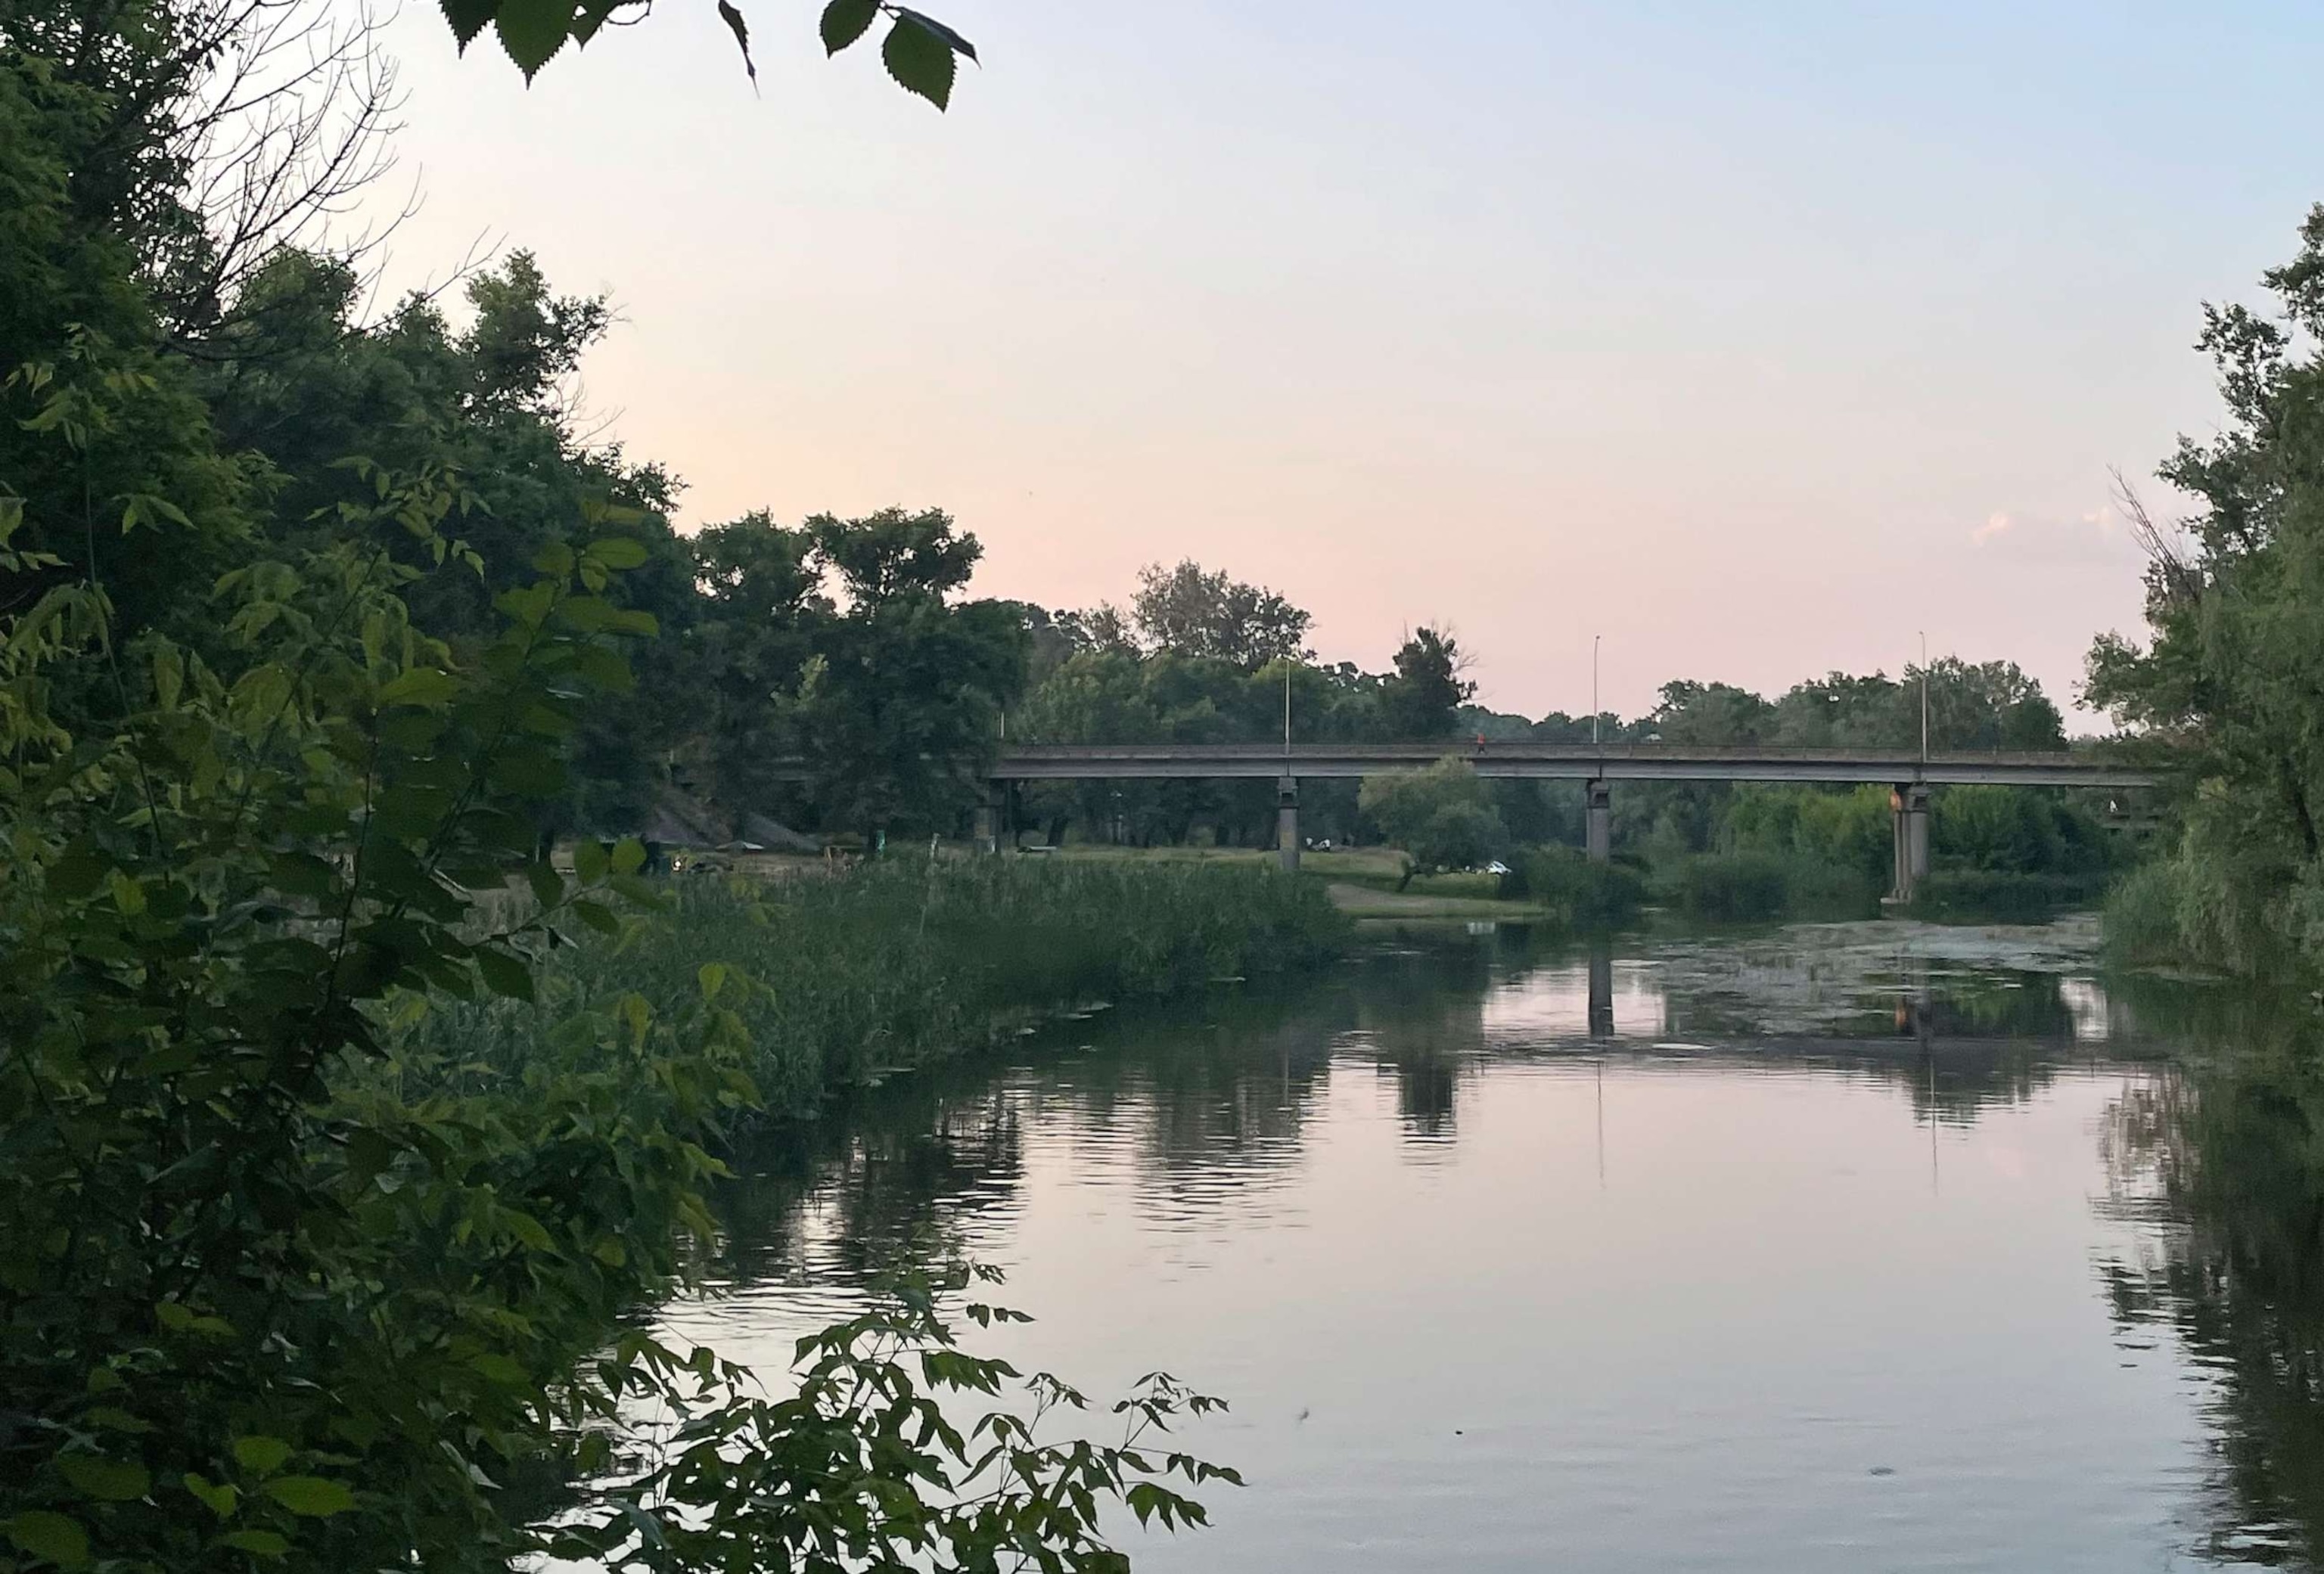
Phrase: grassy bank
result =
(887, 966)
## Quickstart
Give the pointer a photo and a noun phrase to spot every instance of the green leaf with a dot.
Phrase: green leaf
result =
(591, 17)
(179, 1318)
(218, 1499)
(629, 855)
(845, 21)
(619, 552)
(310, 1495)
(532, 30)
(554, 557)
(468, 17)
(953, 41)
(711, 976)
(260, 1456)
(79, 873)
(506, 976)
(497, 1367)
(597, 916)
(115, 1418)
(526, 1228)
(547, 885)
(302, 874)
(52, 1536)
(590, 860)
(921, 61)
(423, 685)
(266, 1543)
(106, 1480)
(741, 31)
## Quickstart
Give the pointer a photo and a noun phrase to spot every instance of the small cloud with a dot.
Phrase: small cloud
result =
(1995, 525)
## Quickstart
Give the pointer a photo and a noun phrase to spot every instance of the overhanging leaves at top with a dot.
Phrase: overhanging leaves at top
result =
(920, 52)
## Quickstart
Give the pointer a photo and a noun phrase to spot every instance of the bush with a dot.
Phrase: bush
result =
(1442, 817)
(1995, 893)
(1581, 893)
(1738, 886)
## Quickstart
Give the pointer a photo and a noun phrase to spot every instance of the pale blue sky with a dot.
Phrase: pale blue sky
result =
(1756, 339)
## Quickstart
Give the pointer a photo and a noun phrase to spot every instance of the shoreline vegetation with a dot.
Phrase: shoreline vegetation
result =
(1558, 886)
(840, 980)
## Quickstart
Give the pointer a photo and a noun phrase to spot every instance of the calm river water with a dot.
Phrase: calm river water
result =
(1847, 1248)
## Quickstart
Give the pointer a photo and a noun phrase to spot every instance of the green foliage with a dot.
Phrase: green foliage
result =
(1851, 829)
(1207, 616)
(900, 706)
(904, 960)
(2229, 677)
(1990, 894)
(1441, 818)
(920, 52)
(1424, 699)
(1751, 886)
(252, 1297)
(287, 1275)
(1581, 894)
(864, 1466)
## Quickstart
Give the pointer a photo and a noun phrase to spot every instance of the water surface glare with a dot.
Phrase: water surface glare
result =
(1830, 1251)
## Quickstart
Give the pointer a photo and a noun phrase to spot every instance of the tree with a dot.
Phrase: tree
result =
(900, 705)
(1423, 700)
(2235, 656)
(1187, 611)
(762, 605)
(1441, 818)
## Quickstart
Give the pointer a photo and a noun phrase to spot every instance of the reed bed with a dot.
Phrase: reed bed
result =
(908, 960)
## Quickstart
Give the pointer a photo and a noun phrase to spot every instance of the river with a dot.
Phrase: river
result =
(1855, 1246)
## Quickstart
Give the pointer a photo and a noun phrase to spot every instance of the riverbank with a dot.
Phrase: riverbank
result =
(845, 981)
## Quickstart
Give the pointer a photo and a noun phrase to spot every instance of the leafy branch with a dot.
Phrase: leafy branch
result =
(920, 52)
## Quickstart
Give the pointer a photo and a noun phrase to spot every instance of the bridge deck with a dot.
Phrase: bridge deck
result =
(1561, 763)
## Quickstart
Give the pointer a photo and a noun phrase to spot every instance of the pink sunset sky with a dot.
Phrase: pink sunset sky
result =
(1756, 340)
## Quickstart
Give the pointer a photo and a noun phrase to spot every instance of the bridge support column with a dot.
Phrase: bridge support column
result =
(1286, 822)
(1908, 806)
(990, 814)
(1597, 821)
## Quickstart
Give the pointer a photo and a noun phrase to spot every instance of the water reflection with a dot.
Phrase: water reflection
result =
(2227, 1159)
(1684, 1243)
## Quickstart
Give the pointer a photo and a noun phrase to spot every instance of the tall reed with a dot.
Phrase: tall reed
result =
(897, 962)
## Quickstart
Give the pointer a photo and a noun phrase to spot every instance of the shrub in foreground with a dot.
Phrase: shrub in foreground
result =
(282, 1284)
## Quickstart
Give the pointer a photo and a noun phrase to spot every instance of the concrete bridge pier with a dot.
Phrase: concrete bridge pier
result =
(990, 816)
(1286, 822)
(1908, 806)
(1598, 823)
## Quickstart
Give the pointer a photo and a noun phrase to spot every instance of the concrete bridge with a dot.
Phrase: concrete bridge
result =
(1908, 775)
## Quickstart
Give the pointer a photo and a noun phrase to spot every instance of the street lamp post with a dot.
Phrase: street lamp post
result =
(1924, 696)
(1594, 638)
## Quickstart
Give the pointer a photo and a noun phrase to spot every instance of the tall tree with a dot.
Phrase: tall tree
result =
(1187, 611)
(1423, 699)
(901, 702)
(2235, 655)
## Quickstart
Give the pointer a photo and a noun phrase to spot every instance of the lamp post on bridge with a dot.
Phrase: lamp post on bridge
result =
(1597, 803)
(1286, 790)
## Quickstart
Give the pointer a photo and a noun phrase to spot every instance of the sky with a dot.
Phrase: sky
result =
(1756, 340)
